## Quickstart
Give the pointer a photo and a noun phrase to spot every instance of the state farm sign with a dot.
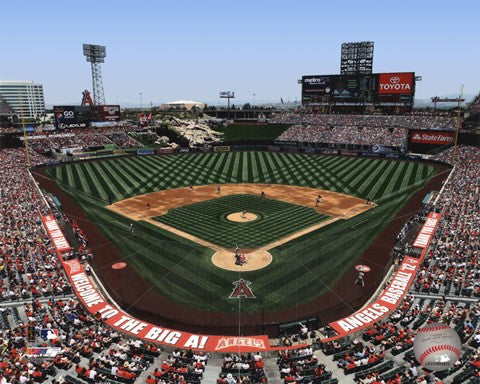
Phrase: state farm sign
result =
(432, 137)
(389, 83)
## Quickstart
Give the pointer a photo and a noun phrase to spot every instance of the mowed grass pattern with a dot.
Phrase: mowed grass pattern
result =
(275, 219)
(301, 270)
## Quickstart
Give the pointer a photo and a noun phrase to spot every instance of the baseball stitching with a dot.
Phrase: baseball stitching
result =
(438, 348)
(433, 328)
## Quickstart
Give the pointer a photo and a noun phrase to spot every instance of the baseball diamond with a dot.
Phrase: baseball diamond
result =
(208, 220)
(178, 273)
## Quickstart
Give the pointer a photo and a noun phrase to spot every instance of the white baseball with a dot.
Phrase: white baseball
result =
(437, 347)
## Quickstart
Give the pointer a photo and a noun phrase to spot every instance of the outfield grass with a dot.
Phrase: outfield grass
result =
(275, 219)
(301, 270)
(253, 132)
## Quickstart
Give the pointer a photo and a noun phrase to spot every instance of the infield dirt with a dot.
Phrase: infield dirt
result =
(148, 206)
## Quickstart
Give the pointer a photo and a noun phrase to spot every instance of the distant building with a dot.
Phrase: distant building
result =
(8, 117)
(24, 97)
(183, 104)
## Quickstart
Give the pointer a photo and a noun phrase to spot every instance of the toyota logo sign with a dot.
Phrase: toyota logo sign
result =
(396, 83)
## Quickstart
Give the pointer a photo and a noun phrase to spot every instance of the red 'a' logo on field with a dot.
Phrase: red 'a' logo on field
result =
(242, 289)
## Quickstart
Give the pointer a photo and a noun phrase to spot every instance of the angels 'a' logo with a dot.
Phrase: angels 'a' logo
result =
(242, 289)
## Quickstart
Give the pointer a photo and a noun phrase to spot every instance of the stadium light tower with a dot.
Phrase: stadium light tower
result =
(356, 58)
(95, 55)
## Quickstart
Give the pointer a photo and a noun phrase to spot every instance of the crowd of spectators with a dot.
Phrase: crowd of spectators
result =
(301, 365)
(242, 369)
(44, 313)
(452, 267)
(80, 138)
(389, 130)
(122, 140)
(345, 134)
(30, 271)
(29, 268)
(474, 106)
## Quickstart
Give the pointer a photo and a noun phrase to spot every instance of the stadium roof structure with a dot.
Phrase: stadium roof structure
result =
(184, 102)
(188, 104)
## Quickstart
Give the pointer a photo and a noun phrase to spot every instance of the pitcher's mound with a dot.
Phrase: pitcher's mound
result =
(256, 259)
(241, 217)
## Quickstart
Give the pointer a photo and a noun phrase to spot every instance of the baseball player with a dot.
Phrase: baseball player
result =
(318, 201)
(360, 280)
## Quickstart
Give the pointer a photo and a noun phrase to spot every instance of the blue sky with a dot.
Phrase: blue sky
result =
(169, 50)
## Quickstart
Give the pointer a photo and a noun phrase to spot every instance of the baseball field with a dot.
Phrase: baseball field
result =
(166, 216)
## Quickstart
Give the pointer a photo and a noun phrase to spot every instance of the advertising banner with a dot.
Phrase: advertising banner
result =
(396, 290)
(432, 137)
(388, 89)
(116, 318)
(395, 83)
(337, 89)
(145, 151)
(385, 304)
(227, 94)
(58, 239)
(221, 148)
(42, 352)
(164, 151)
(72, 116)
(427, 231)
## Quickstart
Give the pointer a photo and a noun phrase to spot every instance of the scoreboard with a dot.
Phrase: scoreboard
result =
(396, 89)
(80, 116)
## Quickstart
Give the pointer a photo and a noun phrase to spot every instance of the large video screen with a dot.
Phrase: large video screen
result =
(337, 89)
(72, 116)
(395, 88)
(80, 116)
(106, 113)
(364, 89)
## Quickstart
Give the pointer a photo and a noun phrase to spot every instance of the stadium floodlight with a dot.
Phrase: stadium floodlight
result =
(356, 58)
(95, 55)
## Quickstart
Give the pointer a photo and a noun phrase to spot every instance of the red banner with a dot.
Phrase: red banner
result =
(427, 231)
(393, 294)
(385, 304)
(432, 137)
(56, 234)
(96, 304)
(395, 83)
(116, 318)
